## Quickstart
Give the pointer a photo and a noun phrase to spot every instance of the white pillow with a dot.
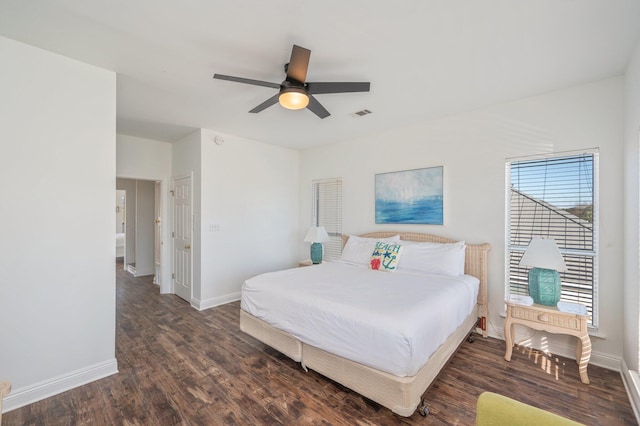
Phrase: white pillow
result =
(358, 250)
(434, 258)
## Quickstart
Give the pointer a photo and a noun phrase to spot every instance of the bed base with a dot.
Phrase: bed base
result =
(266, 333)
(402, 395)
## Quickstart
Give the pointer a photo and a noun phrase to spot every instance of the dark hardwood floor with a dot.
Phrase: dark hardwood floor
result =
(181, 366)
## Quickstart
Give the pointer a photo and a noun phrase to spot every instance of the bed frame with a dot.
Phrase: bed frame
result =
(402, 395)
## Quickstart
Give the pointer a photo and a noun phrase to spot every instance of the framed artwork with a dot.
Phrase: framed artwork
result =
(410, 196)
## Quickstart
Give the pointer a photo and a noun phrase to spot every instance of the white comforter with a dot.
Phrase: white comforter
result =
(391, 321)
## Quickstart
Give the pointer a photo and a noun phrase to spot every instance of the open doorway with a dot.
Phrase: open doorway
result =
(157, 226)
(140, 226)
(121, 197)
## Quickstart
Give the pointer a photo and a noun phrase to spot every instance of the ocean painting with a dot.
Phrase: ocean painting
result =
(410, 196)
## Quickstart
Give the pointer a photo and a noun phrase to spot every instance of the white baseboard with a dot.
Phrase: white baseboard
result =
(45, 389)
(631, 380)
(143, 272)
(215, 301)
(597, 358)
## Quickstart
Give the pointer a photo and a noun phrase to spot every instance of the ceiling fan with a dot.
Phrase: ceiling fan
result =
(296, 93)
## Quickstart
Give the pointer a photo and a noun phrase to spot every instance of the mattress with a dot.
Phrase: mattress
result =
(392, 322)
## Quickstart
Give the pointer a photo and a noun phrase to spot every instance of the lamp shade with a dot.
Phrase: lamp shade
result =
(544, 256)
(293, 98)
(543, 253)
(317, 234)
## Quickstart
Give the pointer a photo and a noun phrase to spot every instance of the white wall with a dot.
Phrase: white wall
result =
(57, 283)
(139, 158)
(245, 209)
(632, 229)
(250, 191)
(145, 159)
(473, 148)
(632, 210)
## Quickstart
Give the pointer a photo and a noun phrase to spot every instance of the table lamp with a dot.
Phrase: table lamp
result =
(544, 280)
(316, 236)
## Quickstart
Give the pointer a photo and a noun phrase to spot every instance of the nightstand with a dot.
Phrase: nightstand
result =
(551, 319)
(306, 262)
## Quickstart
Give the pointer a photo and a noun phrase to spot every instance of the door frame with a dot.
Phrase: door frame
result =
(165, 253)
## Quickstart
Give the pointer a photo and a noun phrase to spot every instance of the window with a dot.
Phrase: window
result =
(555, 197)
(326, 198)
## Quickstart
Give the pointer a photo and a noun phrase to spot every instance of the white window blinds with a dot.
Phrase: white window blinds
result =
(555, 197)
(326, 197)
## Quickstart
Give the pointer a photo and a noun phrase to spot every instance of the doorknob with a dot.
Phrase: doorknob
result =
(187, 246)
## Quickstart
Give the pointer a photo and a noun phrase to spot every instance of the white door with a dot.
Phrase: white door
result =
(182, 237)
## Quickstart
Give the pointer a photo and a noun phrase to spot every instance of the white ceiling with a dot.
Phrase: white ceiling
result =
(424, 58)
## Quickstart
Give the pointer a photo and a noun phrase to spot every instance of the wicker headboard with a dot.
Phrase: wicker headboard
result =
(475, 262)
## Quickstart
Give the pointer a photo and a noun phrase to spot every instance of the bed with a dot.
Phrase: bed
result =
(279, 309)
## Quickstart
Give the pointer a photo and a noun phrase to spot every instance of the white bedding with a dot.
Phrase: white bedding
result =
(389, 321)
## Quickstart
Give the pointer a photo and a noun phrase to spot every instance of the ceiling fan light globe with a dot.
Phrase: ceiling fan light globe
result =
(293, 99)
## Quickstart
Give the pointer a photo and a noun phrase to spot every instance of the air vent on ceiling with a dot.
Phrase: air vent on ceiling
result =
(361, 113)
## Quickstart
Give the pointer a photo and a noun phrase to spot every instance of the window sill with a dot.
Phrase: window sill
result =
(593, 332)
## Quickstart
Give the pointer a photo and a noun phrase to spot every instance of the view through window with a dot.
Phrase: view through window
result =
(326, 195)
(555, 197)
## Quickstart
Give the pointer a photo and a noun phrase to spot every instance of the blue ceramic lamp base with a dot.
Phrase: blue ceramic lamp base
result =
(544, 286)
(316, 253)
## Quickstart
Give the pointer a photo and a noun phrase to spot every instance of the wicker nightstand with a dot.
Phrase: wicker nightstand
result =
(550, 319)
(306, 262)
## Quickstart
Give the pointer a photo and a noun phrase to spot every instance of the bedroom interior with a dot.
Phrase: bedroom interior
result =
(467, 87)
(190, 374)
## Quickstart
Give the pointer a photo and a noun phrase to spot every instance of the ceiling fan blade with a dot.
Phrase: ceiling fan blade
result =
(320, 88)
(246, 80)
(317, 108)
(266, 104)
(298, 64)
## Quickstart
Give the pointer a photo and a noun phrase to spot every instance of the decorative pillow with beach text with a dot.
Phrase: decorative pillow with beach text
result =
(385, 256)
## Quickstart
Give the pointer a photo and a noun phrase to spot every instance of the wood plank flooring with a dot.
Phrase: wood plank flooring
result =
(179, 366)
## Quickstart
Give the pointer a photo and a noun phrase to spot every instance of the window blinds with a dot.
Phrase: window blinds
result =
(555, 197)
(327, 211)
